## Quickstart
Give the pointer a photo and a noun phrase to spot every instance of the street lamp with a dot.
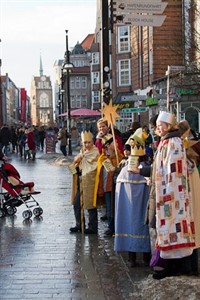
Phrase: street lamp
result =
(60, 105)
(66, 69)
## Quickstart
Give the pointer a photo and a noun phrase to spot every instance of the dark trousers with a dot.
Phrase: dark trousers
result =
(63, 150)
(184, 265)
(194, 261)
(93, 218)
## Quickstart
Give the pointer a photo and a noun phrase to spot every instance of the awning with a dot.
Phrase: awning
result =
(82, 112)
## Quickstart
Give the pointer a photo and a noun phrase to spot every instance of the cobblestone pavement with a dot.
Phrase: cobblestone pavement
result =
(40, 259)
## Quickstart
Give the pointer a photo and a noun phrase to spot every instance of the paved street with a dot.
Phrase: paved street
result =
(40, 259)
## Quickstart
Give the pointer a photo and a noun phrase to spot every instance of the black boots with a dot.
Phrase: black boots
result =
(132, 259)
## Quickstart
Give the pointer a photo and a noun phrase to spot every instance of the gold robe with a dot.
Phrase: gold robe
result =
(98, 192)
(88, 167)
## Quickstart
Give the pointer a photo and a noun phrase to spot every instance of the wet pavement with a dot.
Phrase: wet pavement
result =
(40, 259)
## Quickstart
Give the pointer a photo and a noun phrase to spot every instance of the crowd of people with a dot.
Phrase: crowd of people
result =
(148, 181)
(23, 140)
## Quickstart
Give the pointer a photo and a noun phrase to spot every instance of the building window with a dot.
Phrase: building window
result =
(123, 39)
(83, 101)
(84, 82)
(95, 77)
(140, 66)
(78, 104)
(72, 85)
(150, 62)
(95, 96)
(150, 31)
(46, 85)
(73, 102)
(77, 83)
(78, 101)
(79, 63)
(95, 58)
(124, 72)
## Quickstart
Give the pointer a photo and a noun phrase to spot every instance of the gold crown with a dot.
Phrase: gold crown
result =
(137, 150)
(86, 136)
(137, 142)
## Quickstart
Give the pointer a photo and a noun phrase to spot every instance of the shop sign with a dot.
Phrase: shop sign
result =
(133, 97)
(186, 92)
(122, 105)
(151, 101)
(134, 109)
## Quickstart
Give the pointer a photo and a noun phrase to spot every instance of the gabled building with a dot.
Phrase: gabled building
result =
(79, 78)
(41, 100)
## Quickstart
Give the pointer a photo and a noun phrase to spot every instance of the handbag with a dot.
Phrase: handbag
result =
(156, 260)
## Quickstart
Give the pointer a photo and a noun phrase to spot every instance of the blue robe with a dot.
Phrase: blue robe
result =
(131, 197)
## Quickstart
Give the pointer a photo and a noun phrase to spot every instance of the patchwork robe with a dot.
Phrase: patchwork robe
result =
(174, 213)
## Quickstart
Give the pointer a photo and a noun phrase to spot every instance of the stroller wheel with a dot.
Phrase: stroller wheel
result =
(11, 210)
(2, 213)
(41, 211)
(37, 211)
(27, 214)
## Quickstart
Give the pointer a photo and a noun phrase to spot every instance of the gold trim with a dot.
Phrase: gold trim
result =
(131, 181)
(132, 235)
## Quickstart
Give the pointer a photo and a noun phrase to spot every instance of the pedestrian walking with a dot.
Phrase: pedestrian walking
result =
(14, 138)
(5, 138)
(36, 137)
(41, 137)
(63, 138)
(30, 151)
(21, 139)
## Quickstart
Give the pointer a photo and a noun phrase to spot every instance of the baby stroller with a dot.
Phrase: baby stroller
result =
(17, 193)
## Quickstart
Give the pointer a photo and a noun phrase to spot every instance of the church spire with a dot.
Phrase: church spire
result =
(41, 68)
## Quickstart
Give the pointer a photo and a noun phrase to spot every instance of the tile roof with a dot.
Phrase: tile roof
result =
(88, 41)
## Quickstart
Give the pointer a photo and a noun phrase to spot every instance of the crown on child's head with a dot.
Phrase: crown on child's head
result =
(137, 149)
(86, 136)
(138, 142)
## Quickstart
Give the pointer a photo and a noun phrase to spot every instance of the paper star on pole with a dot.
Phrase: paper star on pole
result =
(109, 112)
(187, 143)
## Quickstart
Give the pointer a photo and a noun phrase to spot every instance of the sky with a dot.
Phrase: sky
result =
(30, 28)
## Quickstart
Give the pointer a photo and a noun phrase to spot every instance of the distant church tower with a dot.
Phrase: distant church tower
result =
(41, 99)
